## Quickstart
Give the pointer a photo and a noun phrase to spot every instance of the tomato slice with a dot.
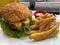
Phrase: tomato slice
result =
(39, 11)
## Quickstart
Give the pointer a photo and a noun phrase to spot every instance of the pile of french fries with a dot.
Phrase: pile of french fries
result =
(44, 26)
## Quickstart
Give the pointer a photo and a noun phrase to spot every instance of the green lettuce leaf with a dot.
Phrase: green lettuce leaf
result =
(10, 32)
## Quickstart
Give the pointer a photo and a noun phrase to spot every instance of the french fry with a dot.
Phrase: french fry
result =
(31, 32)
(47, 20)
(52, 24)
(44, 22)
(44, 15)
(36, 21)
(43, 35)
(34, 26)
(51, 19)
(50, 15)
(47, 27)
(53, 34)
(41, 28)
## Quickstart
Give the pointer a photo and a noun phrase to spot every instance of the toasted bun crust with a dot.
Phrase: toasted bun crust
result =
(15, 12)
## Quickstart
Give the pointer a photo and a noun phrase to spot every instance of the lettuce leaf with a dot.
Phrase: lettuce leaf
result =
(10, 32)
(6, 29)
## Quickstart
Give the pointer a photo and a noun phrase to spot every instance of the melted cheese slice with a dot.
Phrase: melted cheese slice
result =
(18, 24)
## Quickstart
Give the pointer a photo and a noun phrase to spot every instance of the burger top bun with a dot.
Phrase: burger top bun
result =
(14, 12)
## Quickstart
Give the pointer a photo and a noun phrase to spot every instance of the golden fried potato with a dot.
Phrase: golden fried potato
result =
(41, 28)
(43, 35)
(47, 27)
(51, 19)
(31, 32)
(53, 34)
(50, 15)
(36, 21)
(34, 27)
(47, 20)
(44, 15)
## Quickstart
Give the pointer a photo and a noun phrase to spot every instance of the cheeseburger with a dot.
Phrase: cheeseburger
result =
(16, 19)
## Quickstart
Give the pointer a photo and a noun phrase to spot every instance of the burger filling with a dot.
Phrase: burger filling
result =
(20, 24)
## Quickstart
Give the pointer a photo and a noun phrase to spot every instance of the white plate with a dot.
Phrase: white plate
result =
(4, 40)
